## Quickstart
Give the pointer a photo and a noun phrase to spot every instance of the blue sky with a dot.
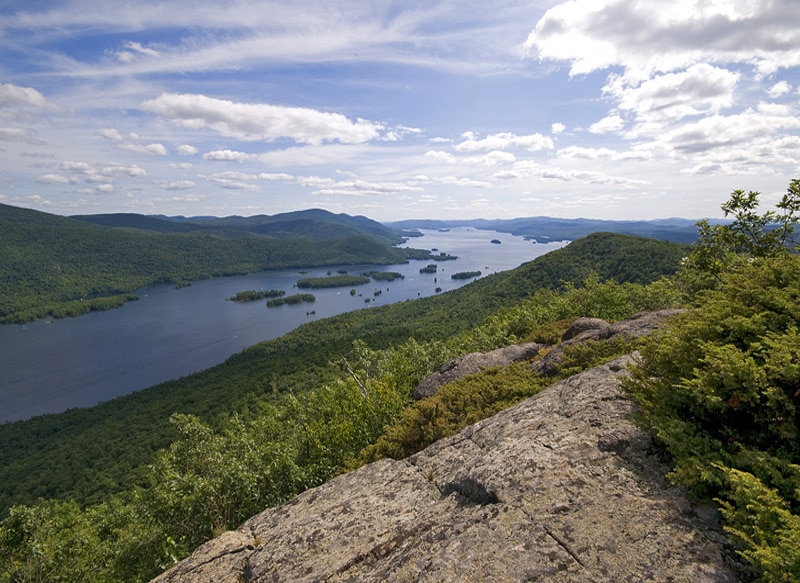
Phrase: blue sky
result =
(398, 109)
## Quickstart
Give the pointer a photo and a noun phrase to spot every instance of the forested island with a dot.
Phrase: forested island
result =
(292, 300)
(465, 275)
(332, 281)
(254, 296)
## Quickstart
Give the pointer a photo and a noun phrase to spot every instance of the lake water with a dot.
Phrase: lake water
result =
(48, 367)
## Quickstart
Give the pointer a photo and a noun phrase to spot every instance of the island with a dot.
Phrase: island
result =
(332, 281)
(254, 296)
(465, 275)
(293, 299)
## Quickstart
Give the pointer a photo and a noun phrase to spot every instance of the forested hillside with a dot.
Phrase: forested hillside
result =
(87, 453)
(57, 267)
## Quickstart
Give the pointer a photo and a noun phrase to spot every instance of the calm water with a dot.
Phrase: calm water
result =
(168, 333)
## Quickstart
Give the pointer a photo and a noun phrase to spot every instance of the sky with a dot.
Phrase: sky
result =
(398, 109)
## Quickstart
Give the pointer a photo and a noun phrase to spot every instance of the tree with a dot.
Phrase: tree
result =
(724, 247)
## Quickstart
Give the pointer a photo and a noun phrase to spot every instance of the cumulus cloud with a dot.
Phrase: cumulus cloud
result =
(111, 134)
(19, 135)
(100, 173)
(178, 185)
(491, 159)
(700, 89)
(275, 176)
(780, 89)
(187, 150)
(150, 149)
(456, 181)
(530, 168)
(325, 186)
(16, 96)
(441, 155)
(52, 179)
(504, 140)
(234, 180)
(584, 153)
(225, 156)
(609, 124)
(594, 35)
(557, 128)
(261, 121)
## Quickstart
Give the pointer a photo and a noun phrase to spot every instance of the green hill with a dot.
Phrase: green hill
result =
(56, 266)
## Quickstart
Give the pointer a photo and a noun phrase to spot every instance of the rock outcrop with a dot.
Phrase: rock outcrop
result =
(561, 487)
(474, 362)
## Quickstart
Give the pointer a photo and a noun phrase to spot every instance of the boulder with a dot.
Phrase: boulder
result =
(472, 363)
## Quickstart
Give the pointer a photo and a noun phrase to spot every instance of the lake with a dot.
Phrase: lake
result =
(51, 366)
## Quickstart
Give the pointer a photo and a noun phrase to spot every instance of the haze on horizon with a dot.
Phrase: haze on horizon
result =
(604, 109)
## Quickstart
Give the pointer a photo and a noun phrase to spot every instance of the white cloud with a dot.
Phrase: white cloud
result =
(584, 153)
(557, 128)
(529, 168)
(105, 172)
(187, 150)
(491, 159)
(16, 96)
(52, 179)
(225, 156)
(261, 121)
(750, 128)
(470, 182)
(650, 36)
(780, 89)
(502, 141)
(609, 124)
(441, 155)
(150, 149)
(700, 89)
(178, 185)
(19, 135)
(111, 134)
(276, 176)
(230, 175)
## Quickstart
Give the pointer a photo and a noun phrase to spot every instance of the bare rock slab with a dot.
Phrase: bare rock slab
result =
(559, 488)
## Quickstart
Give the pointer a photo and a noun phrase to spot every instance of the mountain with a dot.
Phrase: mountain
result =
(57, 266)
(314, 224)
(553, 229)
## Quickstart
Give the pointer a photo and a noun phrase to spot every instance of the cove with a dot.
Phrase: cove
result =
(49, 367)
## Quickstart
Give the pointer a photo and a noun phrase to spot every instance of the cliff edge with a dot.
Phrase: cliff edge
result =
(561, 487)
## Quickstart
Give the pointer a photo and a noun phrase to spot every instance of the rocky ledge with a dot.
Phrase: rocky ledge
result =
(561, 487)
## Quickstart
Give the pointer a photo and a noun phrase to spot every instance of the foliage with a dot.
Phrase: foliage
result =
(385, 275)
(483, 394)
(254, 296)
(724, 247)
(465, 275)
(291, 300)
(719, 389)
(332, 281)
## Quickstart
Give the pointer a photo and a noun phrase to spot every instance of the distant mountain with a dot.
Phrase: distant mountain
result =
(55, 266)
(314, 224)
(553, 229)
